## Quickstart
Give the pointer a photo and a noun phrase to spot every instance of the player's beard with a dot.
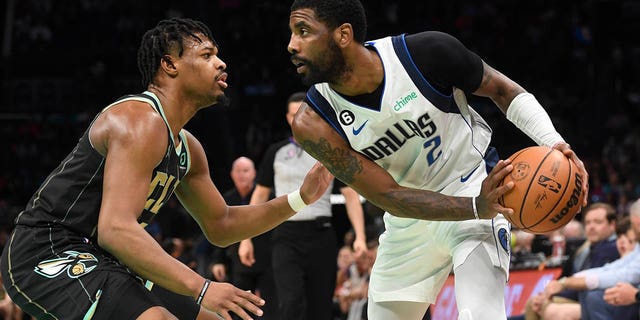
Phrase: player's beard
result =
(331, 67)
(222, 100)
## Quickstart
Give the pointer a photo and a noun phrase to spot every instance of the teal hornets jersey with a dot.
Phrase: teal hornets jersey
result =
(71, 195)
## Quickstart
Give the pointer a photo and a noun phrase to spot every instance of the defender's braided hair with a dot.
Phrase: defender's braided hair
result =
(168, 34)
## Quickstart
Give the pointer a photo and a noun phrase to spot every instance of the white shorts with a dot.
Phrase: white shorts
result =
(415, 257)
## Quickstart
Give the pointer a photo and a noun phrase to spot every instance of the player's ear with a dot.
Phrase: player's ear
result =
(343, 35)
(168, 66)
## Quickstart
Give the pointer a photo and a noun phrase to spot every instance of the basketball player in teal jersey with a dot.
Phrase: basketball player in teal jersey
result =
(79, 250)
(389, 118)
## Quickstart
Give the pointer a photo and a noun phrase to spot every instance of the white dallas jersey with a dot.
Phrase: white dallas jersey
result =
(423, 138)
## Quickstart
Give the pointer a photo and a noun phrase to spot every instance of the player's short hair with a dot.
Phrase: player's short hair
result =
(167, 35)
(336, 12)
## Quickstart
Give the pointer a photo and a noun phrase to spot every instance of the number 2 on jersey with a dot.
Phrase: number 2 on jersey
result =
(433, 152)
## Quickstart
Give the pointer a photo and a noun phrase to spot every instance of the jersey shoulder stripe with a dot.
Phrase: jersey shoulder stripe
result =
(443, 102)
(325, 110)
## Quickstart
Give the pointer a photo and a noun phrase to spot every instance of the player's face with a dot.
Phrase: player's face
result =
(313, 51)
(202, 71)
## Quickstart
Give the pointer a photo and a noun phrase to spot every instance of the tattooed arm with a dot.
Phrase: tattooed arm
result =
(377, 185)
(498, 87)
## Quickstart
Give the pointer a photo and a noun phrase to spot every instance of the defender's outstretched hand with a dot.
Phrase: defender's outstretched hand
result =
(487, 202)
(315, 183)
(223, 298)
(565, 148)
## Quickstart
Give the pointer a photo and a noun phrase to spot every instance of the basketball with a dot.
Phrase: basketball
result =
(548, 190)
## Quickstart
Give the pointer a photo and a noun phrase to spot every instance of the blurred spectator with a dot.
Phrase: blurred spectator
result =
(345, 258)
(8, 309)
(180, 249)
(352, 296)
(597, 250)
(627, 240)
(591, 283)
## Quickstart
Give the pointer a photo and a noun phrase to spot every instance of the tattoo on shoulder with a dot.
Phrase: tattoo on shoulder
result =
(339, 161)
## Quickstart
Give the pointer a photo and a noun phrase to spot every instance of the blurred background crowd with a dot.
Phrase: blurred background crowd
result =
(64, 60)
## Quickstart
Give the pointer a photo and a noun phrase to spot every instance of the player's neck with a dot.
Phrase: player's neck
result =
(178, 110)
(364, 73)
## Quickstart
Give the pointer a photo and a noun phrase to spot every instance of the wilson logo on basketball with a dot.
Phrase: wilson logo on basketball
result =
(520, 171)
(573, 201)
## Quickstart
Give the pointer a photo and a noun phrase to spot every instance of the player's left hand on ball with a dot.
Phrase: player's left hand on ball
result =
(487, 203)
(315, 183)
(565, 148)
(223, 298)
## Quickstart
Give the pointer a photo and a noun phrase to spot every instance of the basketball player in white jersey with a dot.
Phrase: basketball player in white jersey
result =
(389, 118)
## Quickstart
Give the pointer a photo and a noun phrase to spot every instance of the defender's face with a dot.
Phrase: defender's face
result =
(202, 71)
(313, 51)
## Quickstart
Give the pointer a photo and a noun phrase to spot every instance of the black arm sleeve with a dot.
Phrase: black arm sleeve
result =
(445, 62)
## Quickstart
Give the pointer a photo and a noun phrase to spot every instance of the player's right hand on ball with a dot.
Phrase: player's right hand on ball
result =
(565, 148)
(223, 298)
(487, 203)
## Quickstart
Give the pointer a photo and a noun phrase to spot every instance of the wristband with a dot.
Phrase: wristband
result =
(475, 209)
(207, 282)
(295, 201)
(529, 116)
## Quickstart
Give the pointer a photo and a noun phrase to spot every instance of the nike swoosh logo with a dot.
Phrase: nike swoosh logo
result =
(357, 131)
(465, 178)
